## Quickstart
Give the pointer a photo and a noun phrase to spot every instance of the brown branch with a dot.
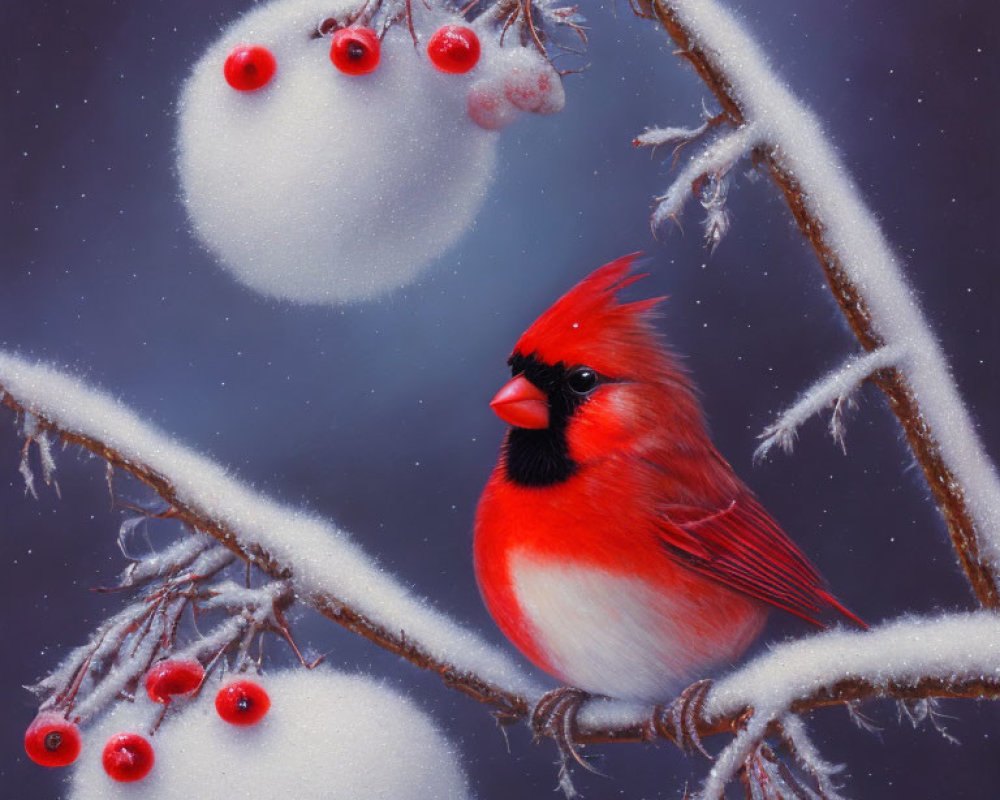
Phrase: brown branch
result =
(846, 691)
(947, 491)
(507, 706)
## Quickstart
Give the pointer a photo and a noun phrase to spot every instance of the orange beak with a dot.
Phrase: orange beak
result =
(522, 404)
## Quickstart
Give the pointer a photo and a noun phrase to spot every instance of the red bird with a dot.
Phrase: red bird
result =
(614, 546)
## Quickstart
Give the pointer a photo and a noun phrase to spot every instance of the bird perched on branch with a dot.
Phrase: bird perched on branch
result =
(614, 545)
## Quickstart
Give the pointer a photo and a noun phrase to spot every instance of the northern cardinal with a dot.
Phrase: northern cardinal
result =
(614, 545)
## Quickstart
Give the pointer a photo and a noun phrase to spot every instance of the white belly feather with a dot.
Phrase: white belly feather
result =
(616, 635)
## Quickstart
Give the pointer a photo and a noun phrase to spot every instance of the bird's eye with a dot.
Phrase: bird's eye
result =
(355, 51)
(249, 67)
(582, 380)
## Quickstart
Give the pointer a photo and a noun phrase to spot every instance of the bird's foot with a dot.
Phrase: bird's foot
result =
(679, 720)
(555, 716)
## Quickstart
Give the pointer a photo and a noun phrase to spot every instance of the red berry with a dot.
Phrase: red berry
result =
(454, 49)
(169, 678)
(242, 703)
(52, 741)
(355, 51)
(489, 108)
(537, 89)
(249, 67)
(127, 757)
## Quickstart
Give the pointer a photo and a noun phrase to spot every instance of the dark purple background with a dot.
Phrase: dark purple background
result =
(100, 275)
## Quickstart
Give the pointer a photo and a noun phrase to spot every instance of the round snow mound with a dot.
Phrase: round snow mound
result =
(320, 186)
(327, 736)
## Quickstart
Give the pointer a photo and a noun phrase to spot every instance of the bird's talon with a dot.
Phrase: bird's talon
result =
(541, 716)
(555, 716)
(679, 721)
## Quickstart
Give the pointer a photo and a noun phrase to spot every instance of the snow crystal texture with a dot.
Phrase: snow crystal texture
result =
(322, 187)
(327, 736)
(902, 652)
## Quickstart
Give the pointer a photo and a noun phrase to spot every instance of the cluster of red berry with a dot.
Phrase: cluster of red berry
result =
(355, 51)
(53, 741)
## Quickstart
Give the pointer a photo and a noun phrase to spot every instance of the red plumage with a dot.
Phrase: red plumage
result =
(613, 544)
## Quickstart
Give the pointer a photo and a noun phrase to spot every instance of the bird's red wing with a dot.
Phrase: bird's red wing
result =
(742, 547)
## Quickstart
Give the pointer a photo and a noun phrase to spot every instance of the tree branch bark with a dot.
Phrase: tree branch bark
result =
(947, 490)
(506, 705)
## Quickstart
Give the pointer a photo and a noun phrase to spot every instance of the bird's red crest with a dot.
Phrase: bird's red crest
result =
(588, 324)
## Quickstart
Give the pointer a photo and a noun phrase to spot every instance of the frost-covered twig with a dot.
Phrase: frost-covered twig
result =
(863, 272)
(680, 136)
(34, 435)
(834, 389)
(536, 20)
(713, 162)
(658, 137)
(178, 556)
(732, 759)
(188, 575)
(124, 647)
(796, 737)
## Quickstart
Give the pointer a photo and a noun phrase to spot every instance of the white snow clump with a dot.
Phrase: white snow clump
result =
(327, 736)
(322, 187)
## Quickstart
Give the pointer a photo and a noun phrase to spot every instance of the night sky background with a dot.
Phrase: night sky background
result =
(376, 415)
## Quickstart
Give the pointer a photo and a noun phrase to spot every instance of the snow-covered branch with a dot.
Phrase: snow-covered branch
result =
(839, 665)
(714, 162)
(326, 569)
(675, 135)
(909, 660)
(900, 659)
(835, 389)
(949, 656)
(864, 273)
(952, 656)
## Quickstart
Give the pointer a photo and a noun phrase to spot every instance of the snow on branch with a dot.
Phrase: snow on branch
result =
(949, 656)
(912, 659)
(312, 560)
(834, 390)
(864, 274)
(680, 136)
(326, 569)
(838, 665)
(894, 660)
(657, 137)
(713, 163)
